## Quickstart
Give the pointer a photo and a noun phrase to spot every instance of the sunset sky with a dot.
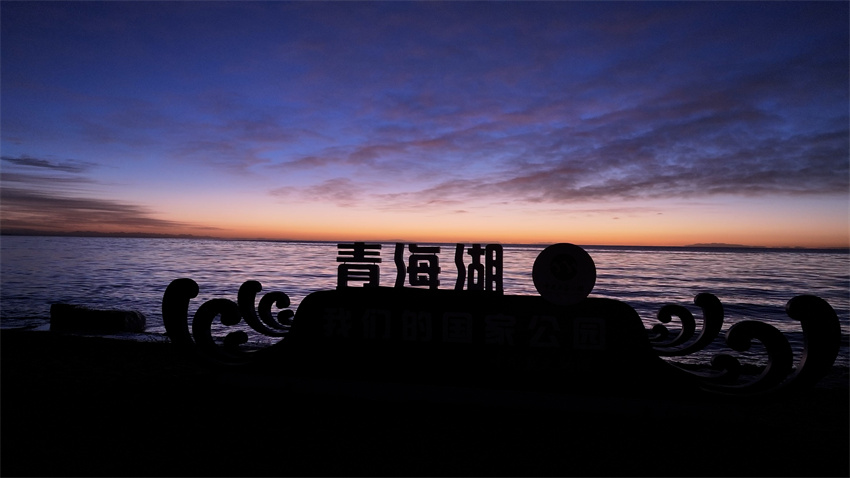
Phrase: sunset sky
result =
(586, 122)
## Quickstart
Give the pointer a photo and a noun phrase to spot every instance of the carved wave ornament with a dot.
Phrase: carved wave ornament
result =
(475, 334)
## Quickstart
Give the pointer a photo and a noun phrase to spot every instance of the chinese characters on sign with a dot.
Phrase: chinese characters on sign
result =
(535, 331)
(422, 268)
(448, 327)
(359, 263)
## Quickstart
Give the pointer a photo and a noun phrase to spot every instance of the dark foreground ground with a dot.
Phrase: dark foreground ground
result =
(77, 406)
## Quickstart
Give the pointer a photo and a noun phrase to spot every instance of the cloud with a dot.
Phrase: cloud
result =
(341, 191)
(704, 151)
(28, 209)
(644, 167)
(67, 166)
(739, 121)
(33, 200)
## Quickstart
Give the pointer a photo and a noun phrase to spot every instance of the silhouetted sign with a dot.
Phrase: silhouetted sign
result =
(482, 336)
(553, 331)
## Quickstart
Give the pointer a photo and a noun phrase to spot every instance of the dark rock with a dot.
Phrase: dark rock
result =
(77, 318)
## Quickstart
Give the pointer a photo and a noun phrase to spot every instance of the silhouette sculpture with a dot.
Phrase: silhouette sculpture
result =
(561, 340)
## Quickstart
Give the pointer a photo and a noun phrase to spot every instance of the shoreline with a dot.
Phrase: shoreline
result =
(83, 405)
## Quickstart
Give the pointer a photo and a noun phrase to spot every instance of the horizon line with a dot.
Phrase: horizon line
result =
(149, 235)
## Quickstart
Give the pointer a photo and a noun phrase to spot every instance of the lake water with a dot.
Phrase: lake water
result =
(129, 273)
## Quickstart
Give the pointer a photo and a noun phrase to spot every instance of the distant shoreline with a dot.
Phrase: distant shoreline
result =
(713, 246)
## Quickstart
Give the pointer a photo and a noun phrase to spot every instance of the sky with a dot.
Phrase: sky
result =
(594, 123)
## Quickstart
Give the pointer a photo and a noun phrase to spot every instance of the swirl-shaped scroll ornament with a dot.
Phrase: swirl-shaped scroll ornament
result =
(821, 336)
(175, 315)
(712, 322)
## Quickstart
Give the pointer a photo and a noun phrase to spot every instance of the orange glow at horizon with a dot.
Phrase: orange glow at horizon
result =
(672, 230)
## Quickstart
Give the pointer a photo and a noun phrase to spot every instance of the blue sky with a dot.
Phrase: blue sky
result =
(585, 122)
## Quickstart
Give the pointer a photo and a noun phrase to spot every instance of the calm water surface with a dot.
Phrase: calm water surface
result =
(133, 274)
